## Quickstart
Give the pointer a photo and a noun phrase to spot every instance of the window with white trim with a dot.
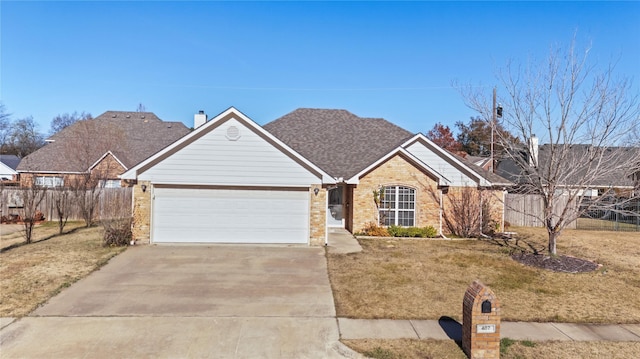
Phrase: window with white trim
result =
(49, 181)
(398, 206)
(111, 183)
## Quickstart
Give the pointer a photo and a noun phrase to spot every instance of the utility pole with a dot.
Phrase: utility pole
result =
(496, 113)
(493, 125)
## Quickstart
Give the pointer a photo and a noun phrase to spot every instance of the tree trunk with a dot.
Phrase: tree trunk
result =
(553, 236)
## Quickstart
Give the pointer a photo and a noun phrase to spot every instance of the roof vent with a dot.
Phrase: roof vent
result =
(113, 116)
(142, 116)
(233, 133)
(128, 116)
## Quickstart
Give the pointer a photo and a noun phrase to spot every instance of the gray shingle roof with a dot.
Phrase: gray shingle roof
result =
(11, 161)
(130, 136)
(339, 142)
(495, 179)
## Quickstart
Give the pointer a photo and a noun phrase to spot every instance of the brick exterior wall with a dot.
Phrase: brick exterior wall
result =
(317, 216)
(496, 198)
(108, 168)
(141, 228)
(396, 171)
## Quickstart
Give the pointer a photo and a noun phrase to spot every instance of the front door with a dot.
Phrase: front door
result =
(335, 211)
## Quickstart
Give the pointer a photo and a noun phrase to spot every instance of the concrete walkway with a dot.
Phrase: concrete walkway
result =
(451, 329)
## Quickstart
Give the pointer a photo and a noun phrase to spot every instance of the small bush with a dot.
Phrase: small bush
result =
(414, 232)
(117, 232)
(372, 229)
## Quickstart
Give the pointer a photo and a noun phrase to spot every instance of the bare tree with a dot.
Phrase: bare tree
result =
(90, 143)
(466, 211)
(5, 128)
(31, 198)
(24, 137)
(585, 115)
(62, 201)
(65, 120)
(141, 108)
(86, 189)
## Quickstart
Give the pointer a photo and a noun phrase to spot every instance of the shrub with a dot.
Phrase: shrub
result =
(372, 229)
(416, 232)
(117, 232)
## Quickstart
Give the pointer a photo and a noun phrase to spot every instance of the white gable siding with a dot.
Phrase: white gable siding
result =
(439, 164)
(221, 158)
(6, 171)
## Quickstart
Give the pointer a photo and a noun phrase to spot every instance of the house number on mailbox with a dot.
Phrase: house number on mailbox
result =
(485, 328)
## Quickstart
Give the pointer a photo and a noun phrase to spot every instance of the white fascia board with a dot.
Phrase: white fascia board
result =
(227, 185)
(133, 172)
(442, 181)
(447, 156)
(103, 157)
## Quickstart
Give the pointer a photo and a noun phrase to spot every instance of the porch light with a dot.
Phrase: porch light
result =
(144, 188)
(316, 190)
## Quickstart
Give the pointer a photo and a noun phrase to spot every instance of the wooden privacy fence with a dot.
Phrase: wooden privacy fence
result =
(526, 210)
(112, 203)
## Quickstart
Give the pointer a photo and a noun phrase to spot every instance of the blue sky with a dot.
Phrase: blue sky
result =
(395, 60)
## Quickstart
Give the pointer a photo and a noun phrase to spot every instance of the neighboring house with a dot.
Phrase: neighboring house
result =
(8, 165)
(618, 171)
(103, 147)
(231, 180)
(482, 162)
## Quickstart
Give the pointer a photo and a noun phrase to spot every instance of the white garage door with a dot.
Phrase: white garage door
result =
(230, 216)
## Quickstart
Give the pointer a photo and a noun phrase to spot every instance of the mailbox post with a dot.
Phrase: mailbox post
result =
(480, 322)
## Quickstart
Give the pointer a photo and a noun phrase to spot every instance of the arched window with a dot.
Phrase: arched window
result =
(398, 206)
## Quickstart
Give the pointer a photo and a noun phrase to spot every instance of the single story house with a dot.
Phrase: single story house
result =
(231, 180)
(103, 147)
(8, 165)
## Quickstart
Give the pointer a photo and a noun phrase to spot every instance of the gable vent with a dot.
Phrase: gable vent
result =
(233, 133)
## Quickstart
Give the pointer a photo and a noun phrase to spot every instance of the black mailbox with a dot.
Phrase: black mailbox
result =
(486, 306)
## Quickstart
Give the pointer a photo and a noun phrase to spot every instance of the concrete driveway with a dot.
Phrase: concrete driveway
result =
(189, 301)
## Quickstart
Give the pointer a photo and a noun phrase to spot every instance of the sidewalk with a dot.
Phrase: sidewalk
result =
(451, 329)
(341, 241)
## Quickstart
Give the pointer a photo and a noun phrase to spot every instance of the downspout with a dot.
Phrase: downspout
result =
(441, 213)
(133, 215)
(326, 219)
(504, 197)
(481, 215)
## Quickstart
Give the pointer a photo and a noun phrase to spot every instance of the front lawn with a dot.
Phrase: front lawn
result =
(31, 274)
(426, 279)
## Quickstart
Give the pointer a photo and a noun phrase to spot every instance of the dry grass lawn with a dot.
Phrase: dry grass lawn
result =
(31, 274)
(41, 231)
(426, 279)
(441, 349)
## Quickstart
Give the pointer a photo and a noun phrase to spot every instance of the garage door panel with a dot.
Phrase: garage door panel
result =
(230, 216)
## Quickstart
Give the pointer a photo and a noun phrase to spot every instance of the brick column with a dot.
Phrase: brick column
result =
(317, 215)
(141, 228)
(480, 322)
